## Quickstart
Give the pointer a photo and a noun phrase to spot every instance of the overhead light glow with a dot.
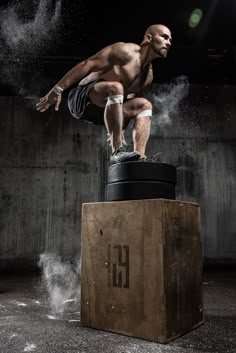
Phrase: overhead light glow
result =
(195, 18)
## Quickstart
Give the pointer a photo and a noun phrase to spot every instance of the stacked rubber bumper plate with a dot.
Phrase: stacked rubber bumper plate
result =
(140, 180)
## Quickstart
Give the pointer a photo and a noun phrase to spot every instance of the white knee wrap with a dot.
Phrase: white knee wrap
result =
(145, 113)
(118, 99)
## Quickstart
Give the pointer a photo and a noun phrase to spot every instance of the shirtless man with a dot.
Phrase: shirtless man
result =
(110, 90)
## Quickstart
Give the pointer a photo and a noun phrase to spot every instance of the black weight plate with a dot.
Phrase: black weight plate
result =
(149, 171)
(139, 190)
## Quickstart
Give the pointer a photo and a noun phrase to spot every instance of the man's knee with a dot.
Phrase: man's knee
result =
(145, 109)
(115, 88)
(144, 104)
(115, 93)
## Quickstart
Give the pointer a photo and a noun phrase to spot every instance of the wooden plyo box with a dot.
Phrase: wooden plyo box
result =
(141, 272)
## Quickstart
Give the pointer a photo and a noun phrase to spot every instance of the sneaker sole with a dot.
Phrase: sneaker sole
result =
(131, 158)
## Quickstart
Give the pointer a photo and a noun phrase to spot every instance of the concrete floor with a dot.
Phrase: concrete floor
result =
(27, 323)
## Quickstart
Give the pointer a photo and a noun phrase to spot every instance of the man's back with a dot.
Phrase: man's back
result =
(126, 67)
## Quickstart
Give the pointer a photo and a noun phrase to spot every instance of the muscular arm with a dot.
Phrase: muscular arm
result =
(101, 62)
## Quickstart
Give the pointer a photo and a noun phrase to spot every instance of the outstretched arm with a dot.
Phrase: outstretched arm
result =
(103, 61)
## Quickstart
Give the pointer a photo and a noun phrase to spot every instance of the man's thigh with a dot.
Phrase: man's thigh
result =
(99, 93)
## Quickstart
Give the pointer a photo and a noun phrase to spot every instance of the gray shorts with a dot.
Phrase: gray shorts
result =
(81, 107)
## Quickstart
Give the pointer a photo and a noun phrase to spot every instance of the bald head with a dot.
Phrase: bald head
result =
(156, 28)
(158, 38)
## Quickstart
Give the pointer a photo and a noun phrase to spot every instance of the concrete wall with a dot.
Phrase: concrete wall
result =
(201, 142)
(50, 164)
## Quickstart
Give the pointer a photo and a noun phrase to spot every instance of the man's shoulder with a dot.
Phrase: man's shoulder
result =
(121, 53)
(125, 47)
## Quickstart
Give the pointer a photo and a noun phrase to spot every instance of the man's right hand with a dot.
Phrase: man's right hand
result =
(49, 100)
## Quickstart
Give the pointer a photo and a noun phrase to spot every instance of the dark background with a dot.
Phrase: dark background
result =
(51, 164)
(205, 54)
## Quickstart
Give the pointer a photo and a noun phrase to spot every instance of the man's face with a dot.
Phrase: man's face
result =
(161, 41)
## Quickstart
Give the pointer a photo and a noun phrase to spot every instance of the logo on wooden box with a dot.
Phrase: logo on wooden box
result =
(118, 265)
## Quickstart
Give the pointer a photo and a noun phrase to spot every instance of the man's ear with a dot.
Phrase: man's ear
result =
(149, 37)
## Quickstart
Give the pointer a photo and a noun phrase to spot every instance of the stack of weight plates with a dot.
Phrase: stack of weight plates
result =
(140, 180)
